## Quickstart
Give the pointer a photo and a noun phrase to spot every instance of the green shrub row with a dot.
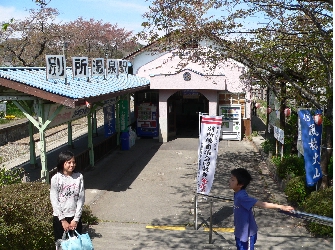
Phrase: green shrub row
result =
(268, 145)
(292, 169)
(26, 216)
(320, 203)
(10, 176)
(289, 166)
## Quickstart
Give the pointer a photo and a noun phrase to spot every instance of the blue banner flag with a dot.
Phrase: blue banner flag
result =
(311, 134)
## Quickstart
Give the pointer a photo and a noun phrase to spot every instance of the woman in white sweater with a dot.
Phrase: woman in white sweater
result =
(67, 196)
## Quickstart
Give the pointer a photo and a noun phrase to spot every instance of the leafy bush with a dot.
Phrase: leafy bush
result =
(11, 176)
(13, 110)
(297, 190)
(289, 165)
(330, 168)
(268, 145)
(87, 216)
(320, 203)
(26, 216)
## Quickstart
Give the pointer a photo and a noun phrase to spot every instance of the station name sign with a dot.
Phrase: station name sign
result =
(56, 67)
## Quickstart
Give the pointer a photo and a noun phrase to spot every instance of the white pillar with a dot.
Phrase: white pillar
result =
(163, 115)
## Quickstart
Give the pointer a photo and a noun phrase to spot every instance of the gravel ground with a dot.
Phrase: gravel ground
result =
(13, 150)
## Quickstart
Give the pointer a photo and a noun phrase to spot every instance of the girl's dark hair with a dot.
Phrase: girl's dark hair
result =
(242, 175)
(62, 158)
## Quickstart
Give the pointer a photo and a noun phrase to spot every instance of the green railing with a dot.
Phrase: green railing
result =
(83, 158)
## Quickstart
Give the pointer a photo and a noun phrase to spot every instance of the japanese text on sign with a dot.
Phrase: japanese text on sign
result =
(56, 66)
(208, 149)
(112, 67)
(80, 66)
(123, 67)
(311, 140)
(278, 134)
(98, 68)
(109, 120)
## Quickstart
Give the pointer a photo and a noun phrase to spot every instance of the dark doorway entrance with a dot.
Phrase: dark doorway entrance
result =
(183, 113)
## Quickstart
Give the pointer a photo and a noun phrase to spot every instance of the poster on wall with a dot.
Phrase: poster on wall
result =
(109, 120)
(123, 107)
(310, 136)
(207, 152)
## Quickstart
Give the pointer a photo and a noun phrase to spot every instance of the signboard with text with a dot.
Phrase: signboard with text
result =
(80, 67)
(207, 152)
(123, 107)
(98, 68)
(310, 135)
(55, 66)
(109, 120)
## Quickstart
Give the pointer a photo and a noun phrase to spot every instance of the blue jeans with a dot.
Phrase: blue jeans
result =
(249, 245)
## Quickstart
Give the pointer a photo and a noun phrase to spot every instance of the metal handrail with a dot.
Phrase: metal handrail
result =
(211, 212)
(299, 214)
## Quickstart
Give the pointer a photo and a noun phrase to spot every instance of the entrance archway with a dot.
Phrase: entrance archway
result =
(183, 112)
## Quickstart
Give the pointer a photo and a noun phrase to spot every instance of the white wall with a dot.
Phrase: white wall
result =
(165, 72)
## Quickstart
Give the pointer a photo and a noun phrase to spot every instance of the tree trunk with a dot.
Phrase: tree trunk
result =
(267, 114)
(282, 104)
(327, 145)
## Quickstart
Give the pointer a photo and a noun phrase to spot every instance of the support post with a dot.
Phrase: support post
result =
(94, 123)
(90, 139)
(117, 122)
(42, 144)
(41, 125)
(69, 135)
(33, 162)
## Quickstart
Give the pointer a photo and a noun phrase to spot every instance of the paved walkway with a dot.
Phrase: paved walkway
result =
(144, 198)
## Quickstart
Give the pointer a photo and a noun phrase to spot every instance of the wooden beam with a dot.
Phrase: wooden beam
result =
(38, 93)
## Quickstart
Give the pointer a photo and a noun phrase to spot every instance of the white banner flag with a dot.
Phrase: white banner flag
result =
(208, 151)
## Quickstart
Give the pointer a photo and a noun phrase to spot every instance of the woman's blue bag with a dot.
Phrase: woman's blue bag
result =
(77, 242)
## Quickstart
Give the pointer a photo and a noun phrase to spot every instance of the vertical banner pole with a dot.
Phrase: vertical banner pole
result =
(199, 123)
(195, 212)
(196, 196)
(211, 222)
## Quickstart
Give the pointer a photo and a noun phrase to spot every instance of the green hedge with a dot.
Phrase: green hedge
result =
(268, 145)
(26, 217)
(297, 190)
(11, 176)
(292, 169)
(320, 203)
(289, 165)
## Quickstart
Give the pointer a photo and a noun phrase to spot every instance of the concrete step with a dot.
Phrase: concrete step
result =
(132, 236)
(121, 236)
